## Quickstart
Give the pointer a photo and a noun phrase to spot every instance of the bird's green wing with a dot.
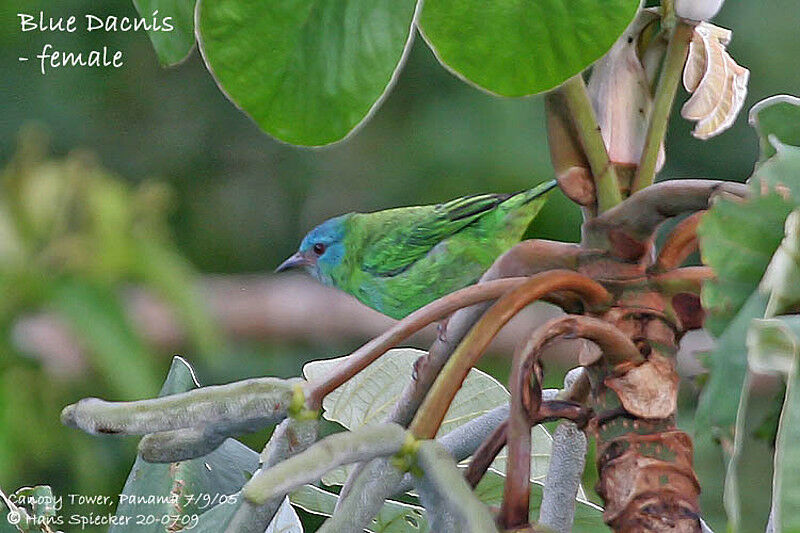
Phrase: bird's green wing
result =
(413, 232)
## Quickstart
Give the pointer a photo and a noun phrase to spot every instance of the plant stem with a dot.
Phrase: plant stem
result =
(668, 13)
(686, 279)
(430, 415)
(642, 213)
(680, 244)
(585, 121)
(665, 96)
(344, 448)
(485, 454)
(569, 162)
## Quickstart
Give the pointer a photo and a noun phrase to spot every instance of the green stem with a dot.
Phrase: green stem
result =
(585, 121)
(668, 11)
(665, 96)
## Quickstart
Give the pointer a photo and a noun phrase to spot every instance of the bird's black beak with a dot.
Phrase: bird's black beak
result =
(297, 260)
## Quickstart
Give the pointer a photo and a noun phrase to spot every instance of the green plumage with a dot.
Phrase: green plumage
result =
(399, 260)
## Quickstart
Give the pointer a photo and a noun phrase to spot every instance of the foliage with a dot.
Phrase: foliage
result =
(519, 48)
(310, 72)
(374, 388)
(757, 275)
(174, 46)
(73, 236)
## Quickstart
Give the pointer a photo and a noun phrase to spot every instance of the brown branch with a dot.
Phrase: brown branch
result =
(525, 385)
(552, 410)
(431, 413)
(680, 244)
(637, 218)
(486, 453)
(514, 512)
(437, 310)
(615, 346)
(681, 280)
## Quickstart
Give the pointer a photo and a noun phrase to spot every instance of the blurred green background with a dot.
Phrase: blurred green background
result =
(174, 183)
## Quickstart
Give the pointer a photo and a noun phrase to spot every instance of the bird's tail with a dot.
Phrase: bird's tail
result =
(536, 192)
(515, 201)
(520, 209)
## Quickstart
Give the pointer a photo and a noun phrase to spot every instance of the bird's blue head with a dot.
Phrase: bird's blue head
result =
(321, 251)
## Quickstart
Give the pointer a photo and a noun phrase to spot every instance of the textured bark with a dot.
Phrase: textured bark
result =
(643, 460)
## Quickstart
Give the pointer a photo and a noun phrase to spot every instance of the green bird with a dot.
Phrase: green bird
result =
(399, 260)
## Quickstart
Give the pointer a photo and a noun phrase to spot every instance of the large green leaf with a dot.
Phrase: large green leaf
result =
(307, 71)
(174, 493)
(737, 240)
(755, 278)
(522, 47)
(777, 116)
(371, 394)
(171, 46)
(719, 403)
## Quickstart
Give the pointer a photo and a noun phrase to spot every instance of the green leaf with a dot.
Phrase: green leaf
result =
(448, 498)
(394, 517)
(173, 493)
(777, 116)
(737, 240)
(371, 394)
(307, 71)
(746, 502)
(171, 46)
(757, 271)
(96, 315)
(780, 173)
(180, 378)
(523, 47)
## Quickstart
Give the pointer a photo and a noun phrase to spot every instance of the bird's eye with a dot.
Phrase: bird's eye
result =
(319, 248)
